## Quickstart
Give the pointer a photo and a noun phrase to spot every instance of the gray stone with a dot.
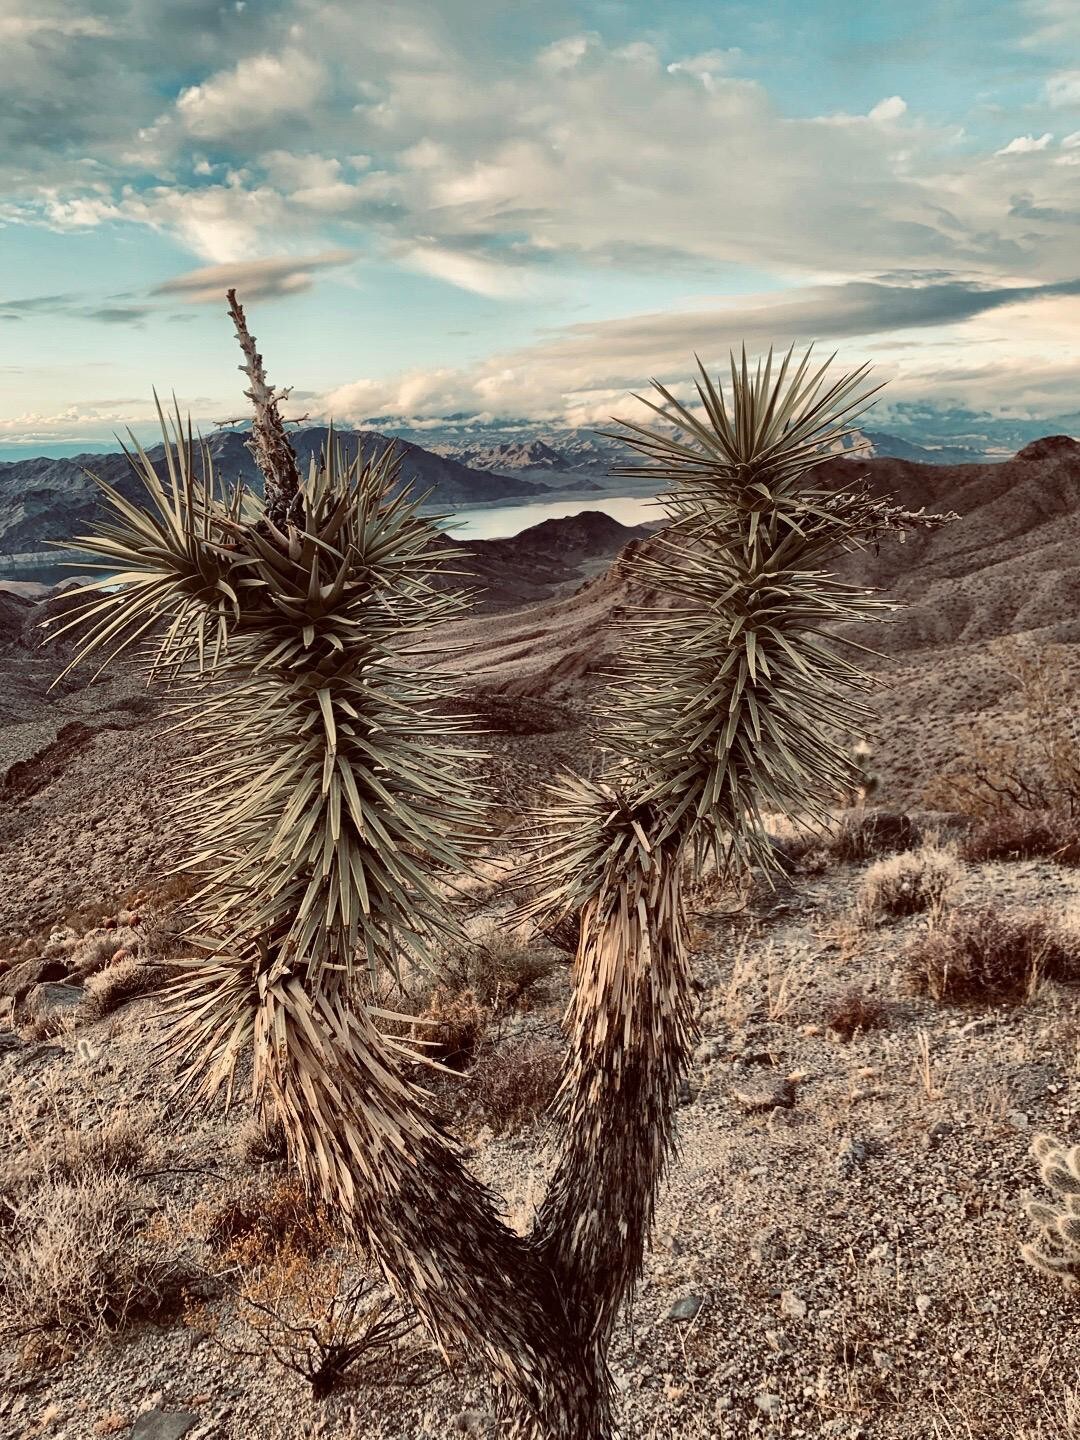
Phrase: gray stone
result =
(781, 1343)
(163, 1425)
(793, 1305)
(686, 1308)
(851, 1155)
(52, 1001)
(766, 1092)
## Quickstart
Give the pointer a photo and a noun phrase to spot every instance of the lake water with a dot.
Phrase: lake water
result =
(495, 522)
(472, 522)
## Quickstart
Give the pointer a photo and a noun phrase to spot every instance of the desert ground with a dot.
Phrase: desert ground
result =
(883, 1030)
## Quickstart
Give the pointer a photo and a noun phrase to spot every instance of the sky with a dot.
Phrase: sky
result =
(527, 210)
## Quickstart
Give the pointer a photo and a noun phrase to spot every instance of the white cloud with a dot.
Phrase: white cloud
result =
(708, 66)
(65, 24)
(565, 54)
(468, 272)
(1064, 90)
(257, 90)
(1025, 145)
(889, 109)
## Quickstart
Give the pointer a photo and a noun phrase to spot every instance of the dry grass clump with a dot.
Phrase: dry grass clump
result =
(452, 1026)
(255, 1223)
(484, 978)
(984, 954)
(114, 986)
(77, 1261)
(1019, 835)
(68, 1153)
(854, 1012)
(511, 1085)
(907, 883)
(862, 834)
(261, 1140)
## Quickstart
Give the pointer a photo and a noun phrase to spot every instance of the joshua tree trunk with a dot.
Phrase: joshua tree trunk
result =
(401, 1184)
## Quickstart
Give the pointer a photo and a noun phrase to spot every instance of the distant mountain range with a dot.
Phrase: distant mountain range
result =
(45, 499)
(581, 452)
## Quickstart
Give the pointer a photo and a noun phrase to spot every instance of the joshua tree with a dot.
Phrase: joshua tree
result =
(326, 795)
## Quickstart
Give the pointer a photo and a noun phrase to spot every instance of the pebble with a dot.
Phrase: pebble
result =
(686, 1308)
(780, 1342)
(851, 1155)
(766, 1093)
(793, 1305)
(163, 1425)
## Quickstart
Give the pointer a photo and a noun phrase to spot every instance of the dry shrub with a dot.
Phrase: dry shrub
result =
(261, 1139)
(334, 1332)
(861, 834)
(854, 1012)
(120, 1145)
(512, 1084)
(112, 987)
(1027, 789)
(907, 883)
(255, 1223)
(1019, 835)
(77, 1261)
(990, 955)
(452, 1026)
(501, 969)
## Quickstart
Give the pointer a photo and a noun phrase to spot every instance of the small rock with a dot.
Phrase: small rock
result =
(686, 1308)
(768, 1245)
(766, 1093)
(1018, 1120)
(768, 1404)
(793, 1305)
(851, 1155)
(780, 1342)
(923, 1303)
(53, 1000)
(163, 1425)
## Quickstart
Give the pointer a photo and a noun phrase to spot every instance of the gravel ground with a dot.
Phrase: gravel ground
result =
(839, 1233)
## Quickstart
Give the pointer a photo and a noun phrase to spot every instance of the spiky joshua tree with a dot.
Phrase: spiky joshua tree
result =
(325, 795)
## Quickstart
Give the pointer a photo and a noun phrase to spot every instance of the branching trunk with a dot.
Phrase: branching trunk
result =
(540, 1309)
(364, 1141)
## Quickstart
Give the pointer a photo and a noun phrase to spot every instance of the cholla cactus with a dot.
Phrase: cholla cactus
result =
(1057, 1250)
